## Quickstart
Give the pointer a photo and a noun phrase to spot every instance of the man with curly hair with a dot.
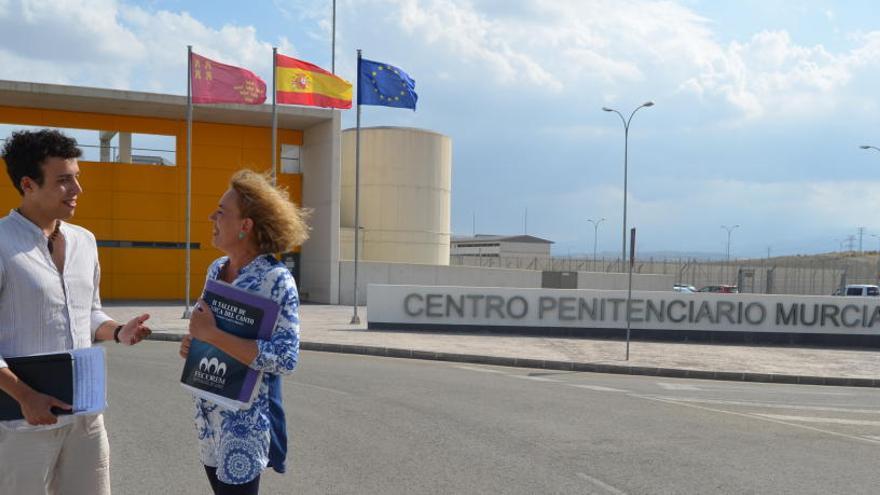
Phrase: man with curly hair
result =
(49, 302)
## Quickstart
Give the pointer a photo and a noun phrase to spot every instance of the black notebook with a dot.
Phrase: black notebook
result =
(77, 377)
(50, 374)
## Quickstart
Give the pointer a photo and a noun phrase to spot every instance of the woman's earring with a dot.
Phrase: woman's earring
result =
(241, 235)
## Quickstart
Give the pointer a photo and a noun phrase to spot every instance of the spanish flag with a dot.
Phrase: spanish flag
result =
(301, 83)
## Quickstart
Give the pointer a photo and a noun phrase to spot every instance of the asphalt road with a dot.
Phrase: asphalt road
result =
(364, 425)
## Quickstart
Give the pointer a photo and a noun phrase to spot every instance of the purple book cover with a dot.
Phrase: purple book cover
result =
(239, 312)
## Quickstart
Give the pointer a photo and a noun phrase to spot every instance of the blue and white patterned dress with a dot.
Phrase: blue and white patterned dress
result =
(237, 442)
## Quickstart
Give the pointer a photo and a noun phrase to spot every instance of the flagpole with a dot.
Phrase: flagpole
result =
(333, 40)
(274, 117)
(357, 191)
(189, 115)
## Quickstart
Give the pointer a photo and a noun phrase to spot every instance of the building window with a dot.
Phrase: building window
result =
(290, 163)
(478, 244)
(113, 146)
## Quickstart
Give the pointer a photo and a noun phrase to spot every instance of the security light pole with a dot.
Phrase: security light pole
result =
(595, 237)
(729, 230)
(625, 153)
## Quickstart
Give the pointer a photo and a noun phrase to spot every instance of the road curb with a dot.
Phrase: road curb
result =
(567, 365)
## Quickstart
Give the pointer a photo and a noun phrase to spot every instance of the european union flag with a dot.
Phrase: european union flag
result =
(385, 85)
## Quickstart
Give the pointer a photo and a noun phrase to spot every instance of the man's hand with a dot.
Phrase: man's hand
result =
(134, 331)
(201, 323)
(184, 346)
(37, 408)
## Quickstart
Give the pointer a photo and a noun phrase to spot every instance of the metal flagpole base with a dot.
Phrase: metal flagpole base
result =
(355, 320)
(186, 313)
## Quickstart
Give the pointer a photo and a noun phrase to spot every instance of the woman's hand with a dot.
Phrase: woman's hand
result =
(202, 325)
(184, 346)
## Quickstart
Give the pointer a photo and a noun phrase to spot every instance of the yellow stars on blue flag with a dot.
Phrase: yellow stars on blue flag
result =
(385, 85)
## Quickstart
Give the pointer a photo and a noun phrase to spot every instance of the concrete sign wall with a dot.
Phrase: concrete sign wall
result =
(392, 306)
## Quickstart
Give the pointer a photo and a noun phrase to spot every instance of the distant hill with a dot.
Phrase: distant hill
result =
(867, 260)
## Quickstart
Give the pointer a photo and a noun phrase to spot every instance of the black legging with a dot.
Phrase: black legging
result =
(220, 488)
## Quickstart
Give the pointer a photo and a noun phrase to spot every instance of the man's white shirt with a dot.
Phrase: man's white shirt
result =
(41, 309)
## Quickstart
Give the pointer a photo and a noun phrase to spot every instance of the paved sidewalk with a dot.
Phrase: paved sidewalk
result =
(327, 328)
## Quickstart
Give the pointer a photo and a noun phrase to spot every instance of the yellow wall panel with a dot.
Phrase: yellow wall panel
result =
(144, 206)
(122, 202)
(148, 286)
(95, 206)
(202, 207)
(293, 183)
(148, 231)
(288, 136)
(205, 134)
(24, 116)
(96, 177)
(152, 126)
(140, 261)
(218, 157)
(153, 178)
(258, 159)
(102, 228)
(76, 120)
(256, 137)
(9, 197)
(210, 182)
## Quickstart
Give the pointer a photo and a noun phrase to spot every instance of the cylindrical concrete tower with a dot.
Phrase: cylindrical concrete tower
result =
(406, 184)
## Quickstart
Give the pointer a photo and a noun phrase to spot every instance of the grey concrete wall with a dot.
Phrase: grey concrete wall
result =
(618, 281)
(319, 272)
(412, 274)
(468, 276)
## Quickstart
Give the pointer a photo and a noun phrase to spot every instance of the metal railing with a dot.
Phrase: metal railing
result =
(812, 275)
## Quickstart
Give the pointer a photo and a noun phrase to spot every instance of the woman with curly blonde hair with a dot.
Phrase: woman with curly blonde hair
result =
(253, 220)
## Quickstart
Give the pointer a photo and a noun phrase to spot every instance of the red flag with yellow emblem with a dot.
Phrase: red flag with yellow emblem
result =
(213, 82)
(302, 83)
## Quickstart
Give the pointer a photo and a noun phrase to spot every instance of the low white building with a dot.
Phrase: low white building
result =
(502, 247)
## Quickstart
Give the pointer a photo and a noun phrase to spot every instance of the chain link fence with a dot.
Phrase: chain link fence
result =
(811, 275)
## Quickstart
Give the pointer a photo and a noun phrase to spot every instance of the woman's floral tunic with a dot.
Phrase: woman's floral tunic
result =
(237, 442)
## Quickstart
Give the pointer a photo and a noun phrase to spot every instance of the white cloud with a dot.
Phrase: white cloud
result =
(314, 16)
(769, 74)
(607, 46)
(111, 44)
(468, 34)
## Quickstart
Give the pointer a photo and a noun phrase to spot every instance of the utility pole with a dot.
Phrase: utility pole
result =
(861, 235)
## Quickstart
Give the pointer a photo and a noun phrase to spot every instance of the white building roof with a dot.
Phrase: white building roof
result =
(501, 238)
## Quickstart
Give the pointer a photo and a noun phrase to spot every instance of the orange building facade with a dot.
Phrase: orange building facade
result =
(137, 211)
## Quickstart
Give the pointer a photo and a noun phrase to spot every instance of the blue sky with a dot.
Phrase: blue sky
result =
(760, 105)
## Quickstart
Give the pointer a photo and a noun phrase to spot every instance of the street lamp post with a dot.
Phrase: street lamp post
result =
(595, 237)
(729, 230)
(625, 153)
